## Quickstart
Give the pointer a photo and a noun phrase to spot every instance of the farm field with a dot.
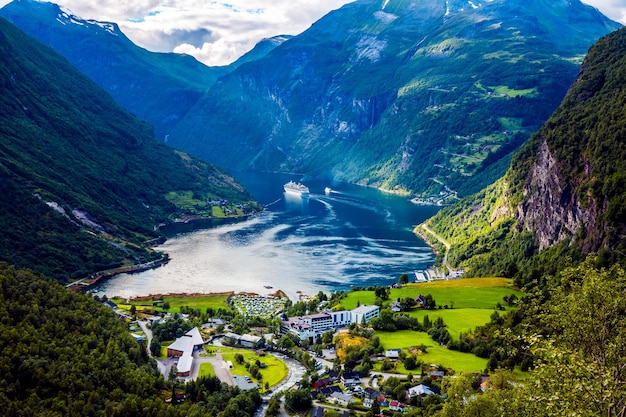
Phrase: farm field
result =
(479, 293)
(470, 301)
(458, 320)
(435, 354)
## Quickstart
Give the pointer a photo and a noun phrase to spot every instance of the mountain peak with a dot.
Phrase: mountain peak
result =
(412, 96)
(52, 12)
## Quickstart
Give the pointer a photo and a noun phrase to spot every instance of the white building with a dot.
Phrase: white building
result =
(183, 348)
(364, 314)
(312, 326)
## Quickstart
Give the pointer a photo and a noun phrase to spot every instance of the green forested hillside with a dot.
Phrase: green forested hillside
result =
(83, 182)
(564, 195)
(64, 354)
(561, 200)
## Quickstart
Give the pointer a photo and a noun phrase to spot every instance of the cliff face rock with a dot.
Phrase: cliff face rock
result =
(575, 187)
(551, 208)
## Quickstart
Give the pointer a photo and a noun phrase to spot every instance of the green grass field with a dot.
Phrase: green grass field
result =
(459, 320)
(478, 293)
(275, 371)
(470, 303)
(435, 354)
(200, 301)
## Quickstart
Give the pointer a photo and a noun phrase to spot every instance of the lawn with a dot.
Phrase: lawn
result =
(275, 370)
(459, 320)
(206, 369)
(435, 354)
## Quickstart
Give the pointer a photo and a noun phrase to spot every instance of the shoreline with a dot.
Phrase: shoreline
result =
(87, 283)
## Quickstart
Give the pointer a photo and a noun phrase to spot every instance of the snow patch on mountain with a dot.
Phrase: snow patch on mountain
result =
(65, 17)
(385, 17)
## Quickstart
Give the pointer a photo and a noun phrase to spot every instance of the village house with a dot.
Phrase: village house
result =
(392, 354)
(350, 378)
(247, 340)
(421, 390)
(342, 399)
(396, 406)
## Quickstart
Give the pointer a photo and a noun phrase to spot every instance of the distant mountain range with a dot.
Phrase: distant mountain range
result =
(430, 97)
(157, 87)
(564, 195)
(83, 183)
(407, 96)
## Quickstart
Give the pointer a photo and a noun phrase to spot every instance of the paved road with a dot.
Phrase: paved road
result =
(443, 241)
(162, 366)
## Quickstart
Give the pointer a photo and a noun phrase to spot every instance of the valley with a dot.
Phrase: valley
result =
(486, 141)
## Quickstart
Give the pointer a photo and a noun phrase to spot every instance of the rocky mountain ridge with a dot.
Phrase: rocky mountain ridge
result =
(157, 87)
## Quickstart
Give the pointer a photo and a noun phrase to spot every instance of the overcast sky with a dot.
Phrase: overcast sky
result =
(217, 33)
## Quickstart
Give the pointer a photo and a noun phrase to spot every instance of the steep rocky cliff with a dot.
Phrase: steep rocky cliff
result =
(577, 185)
(566, 188)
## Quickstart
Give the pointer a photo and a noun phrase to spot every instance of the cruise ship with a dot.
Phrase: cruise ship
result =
(296, 188)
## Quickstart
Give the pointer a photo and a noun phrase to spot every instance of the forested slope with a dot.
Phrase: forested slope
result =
(64, 354)
(82, 182)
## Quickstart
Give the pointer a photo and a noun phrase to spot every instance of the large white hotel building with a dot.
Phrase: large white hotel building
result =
(313, 325)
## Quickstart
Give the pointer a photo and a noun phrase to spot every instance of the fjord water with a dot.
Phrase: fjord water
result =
(355, 236)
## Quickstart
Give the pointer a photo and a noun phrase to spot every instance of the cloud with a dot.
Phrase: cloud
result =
(613, 9)
(218, 32)
(215, 32)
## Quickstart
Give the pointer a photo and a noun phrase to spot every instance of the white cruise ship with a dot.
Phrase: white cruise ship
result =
(296, 188)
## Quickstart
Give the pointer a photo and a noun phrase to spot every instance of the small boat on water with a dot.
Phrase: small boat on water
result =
(327, 190)
(296, 188)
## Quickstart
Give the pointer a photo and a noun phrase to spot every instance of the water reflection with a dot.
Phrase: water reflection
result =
(294, 202)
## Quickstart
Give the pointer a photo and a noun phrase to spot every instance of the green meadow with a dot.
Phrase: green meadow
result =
(435, 354)
(463, 304)
(176, 301)
(470, 301)
(476, 293)
(457, 321)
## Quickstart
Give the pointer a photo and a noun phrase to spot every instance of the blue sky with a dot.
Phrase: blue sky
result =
(219, 32)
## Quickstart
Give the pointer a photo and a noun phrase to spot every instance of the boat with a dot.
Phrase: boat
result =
(327, 190)
(296, 188)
